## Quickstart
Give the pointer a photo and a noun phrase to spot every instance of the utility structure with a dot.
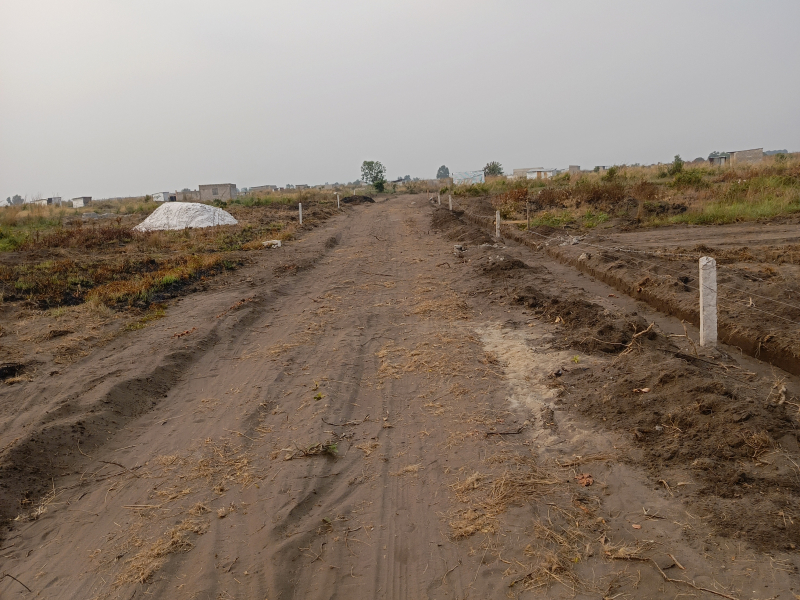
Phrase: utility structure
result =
(708, 301)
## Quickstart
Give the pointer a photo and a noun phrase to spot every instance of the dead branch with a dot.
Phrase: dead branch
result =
(689, 583)
(17, 580)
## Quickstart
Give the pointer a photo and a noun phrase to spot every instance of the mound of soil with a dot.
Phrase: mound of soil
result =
(455, 229)
(498, 267)
(357, 200)
(723, 431)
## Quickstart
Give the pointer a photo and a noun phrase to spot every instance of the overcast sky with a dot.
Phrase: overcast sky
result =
(114, 98)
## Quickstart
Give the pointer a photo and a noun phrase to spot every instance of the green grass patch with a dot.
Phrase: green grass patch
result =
(553, 219)
(724, 211)
(593, 219)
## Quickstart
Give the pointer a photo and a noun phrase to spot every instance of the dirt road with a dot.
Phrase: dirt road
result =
(362, 414)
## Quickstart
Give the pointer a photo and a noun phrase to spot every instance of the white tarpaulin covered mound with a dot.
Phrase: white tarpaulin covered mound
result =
(183, 215)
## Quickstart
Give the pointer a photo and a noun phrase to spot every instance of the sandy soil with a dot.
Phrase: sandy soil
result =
(369, 413)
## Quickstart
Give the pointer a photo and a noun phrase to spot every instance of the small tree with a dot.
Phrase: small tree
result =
(443, 172)
(676, 166)
(493, 168)
(611, 174)
(372, 171)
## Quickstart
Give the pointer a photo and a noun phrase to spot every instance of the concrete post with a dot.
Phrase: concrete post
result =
(300, 207)
(451, 204)
(337, 200)
(708, 301)
(497, 224)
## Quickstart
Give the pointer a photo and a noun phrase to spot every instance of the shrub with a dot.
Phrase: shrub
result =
(611, 174)
(645, 190)
(689, 178)
(551, 197)
(676, 166)
(601, 196)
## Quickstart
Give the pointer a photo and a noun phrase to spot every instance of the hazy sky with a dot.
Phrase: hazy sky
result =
(122, 97)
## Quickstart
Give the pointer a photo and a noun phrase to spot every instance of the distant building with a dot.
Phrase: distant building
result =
(468, 177)
(301, 186)
(747, 156)
(540, 173)
(45, 201)
(187, 195)
(263, 188)
(720, 159)
(81, 201)
(574, 169)
(218, 191)
(165, 197)
(519, 173)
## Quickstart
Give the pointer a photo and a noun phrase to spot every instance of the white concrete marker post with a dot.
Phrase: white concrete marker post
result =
(451, 204)
(439, 199)
(708, 301)
(337, 200)
(497, 224)
(300, 208)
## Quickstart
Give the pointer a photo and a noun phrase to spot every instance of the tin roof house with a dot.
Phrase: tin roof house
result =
(540, 173)
(719, 159)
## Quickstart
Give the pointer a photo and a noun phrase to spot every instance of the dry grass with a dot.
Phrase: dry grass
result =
(326, 448)
(523, 483)
(152, 557)
(447, 306)
(441, 357)
(368, 447)
(407, 470)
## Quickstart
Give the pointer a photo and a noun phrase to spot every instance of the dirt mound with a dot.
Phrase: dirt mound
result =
(185, 215)
(454, 228)
(725, 432)
(498, 267)
(357, 200)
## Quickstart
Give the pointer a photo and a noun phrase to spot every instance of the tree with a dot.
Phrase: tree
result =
(493, 168)
(677, 165)
(443, 173)
(372, 171)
